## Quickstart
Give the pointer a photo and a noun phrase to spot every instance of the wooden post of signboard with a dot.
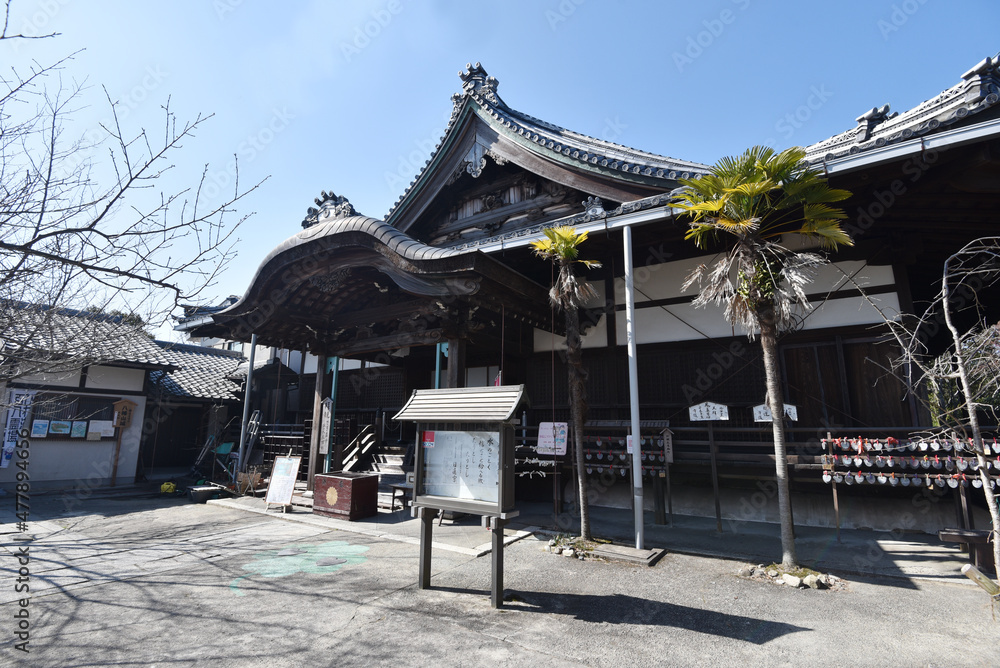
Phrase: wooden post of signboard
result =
(426, 531)
(496, 587)
(833, 483)
(707, 412)
(123, 411)
(715, 478)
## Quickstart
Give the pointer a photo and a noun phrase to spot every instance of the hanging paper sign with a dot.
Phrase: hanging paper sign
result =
(763, 414)
(552, 438)
(708, 411)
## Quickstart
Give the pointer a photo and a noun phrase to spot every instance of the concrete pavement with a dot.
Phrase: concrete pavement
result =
(154, 581)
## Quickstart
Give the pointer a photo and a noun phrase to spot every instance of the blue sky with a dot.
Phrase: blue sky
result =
(351, 97)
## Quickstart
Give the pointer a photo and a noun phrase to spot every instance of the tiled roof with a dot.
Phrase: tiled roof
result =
(94, 338)
(978, 92)
(479, 94)
(201, 373)
(240, 372)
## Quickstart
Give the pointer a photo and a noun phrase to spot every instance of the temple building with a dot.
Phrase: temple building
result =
(449, 269)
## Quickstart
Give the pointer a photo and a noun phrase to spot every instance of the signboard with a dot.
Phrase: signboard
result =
(39, 428)
(124, 409)
(763, 414)
(706, 411)
(552, 438)
(326, 417)
(60, 427)
(100, 429)
(462, 465)
(283, 475)
(19, 407)
(668, 445)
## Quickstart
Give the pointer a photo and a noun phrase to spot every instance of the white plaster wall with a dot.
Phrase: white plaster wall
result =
(596, 336)
(78, 463)
(65, 379)
(115, 378)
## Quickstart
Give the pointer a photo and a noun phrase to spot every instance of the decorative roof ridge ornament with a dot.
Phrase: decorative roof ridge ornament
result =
(870, 119)
(475, 81)
(593, 208)
(330, 206)
(982, 80)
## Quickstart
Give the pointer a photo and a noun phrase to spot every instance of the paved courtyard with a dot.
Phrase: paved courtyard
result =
(150, 581)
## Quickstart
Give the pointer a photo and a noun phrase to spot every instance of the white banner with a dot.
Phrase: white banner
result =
(19, 408)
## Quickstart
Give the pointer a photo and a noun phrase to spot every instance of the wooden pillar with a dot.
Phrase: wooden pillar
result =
(456, 363)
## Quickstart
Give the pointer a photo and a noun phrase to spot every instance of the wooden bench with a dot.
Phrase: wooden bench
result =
(404, 489)
(979, 543)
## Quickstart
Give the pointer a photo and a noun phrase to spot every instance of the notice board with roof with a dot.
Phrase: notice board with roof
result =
(465, 450)
(464, 463)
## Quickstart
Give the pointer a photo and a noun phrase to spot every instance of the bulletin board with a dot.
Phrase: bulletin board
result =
(462, 464)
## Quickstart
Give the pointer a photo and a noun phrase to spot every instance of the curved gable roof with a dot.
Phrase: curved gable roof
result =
(483, 126)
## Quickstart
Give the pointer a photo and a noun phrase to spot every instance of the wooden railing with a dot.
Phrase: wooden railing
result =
(361, 447)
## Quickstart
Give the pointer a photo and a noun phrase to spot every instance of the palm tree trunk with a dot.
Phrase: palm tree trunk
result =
(769, 346)
(578, 409)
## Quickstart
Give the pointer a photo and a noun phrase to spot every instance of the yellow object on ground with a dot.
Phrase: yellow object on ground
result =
(168, 488)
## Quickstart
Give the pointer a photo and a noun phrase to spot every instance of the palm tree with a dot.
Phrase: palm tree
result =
(561, 245)
(750, 202)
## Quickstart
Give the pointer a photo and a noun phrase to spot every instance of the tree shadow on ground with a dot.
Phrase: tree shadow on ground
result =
(622, 609)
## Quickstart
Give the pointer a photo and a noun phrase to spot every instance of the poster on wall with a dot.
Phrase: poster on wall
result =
(19, 402)
(60, 427)
(100, 429)
(79, 429)
(552, 438)
(39, 428)
(462, 465)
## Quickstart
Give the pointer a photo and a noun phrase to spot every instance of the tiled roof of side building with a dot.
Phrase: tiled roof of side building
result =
(975, 97)
(202, 372)
(94, 338)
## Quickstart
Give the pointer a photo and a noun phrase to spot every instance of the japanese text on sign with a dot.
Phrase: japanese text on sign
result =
(552, 438)
(462, 465)
(708, 411)
(763, 414)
